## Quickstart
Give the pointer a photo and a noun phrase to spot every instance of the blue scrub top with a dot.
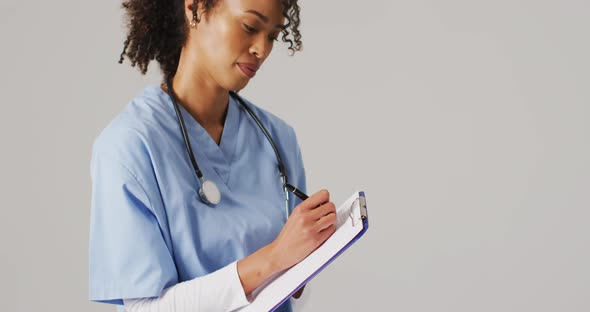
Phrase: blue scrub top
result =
(149, 229)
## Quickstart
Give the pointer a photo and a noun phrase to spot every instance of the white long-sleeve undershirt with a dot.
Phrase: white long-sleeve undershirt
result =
(217, 291)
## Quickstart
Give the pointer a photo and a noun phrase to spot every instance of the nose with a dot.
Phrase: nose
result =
(261, 47)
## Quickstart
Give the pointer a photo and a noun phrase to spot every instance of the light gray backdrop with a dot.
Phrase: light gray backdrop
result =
(466, 122)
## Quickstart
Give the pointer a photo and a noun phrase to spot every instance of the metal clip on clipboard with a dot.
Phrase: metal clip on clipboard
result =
(362, 202)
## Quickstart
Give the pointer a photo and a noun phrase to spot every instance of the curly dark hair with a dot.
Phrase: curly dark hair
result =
(158, 29)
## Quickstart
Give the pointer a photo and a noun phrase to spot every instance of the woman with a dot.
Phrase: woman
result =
(155, 243)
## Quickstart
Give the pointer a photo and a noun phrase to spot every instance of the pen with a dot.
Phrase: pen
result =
(297, 192)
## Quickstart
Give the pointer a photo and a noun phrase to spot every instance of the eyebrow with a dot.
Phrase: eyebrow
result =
(263, 17)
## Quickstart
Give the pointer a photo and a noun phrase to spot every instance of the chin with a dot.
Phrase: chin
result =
(236, 79)
(237, 84)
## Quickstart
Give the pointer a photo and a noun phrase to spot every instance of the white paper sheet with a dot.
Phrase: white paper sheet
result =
(348, 226)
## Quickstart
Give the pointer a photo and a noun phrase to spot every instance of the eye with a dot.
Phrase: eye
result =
(249, 29)
(271, 38)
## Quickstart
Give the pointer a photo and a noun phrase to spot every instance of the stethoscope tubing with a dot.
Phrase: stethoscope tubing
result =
(281, 165)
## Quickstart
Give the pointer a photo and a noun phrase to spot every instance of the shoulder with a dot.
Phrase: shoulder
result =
(284, 136)
(131, 135)
(277, 127)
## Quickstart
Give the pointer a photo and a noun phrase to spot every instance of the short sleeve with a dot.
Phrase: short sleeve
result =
(129, 257)
(297, 177)
(301, 180)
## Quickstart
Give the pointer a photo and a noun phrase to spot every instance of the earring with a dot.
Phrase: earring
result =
(195, 19)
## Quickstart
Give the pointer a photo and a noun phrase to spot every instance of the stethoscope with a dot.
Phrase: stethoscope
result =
(209, 192)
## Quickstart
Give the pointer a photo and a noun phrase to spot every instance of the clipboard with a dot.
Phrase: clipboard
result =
(352, 223)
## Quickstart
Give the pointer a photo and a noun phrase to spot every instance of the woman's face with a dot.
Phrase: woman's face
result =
(233, 39)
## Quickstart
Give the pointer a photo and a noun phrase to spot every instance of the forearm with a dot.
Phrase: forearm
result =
(257, 268)
(217, 291)
(222, 290)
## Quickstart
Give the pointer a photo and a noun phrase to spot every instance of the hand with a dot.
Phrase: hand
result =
(312, 222)
(298, 294)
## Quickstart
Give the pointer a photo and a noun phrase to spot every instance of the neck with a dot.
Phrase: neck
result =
(199, 94)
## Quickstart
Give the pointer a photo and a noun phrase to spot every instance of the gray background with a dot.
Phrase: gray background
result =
(466, 122)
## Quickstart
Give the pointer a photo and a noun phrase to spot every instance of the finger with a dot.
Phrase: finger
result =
(316, 199)
(326, 221)
(322, 210)
(327, 232)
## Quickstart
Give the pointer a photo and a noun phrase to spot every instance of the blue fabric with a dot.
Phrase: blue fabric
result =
(149, 229)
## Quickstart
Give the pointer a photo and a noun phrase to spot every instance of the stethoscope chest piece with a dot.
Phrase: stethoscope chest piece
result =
(209, 192)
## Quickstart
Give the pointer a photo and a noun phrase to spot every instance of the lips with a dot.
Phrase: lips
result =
(248, 69)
